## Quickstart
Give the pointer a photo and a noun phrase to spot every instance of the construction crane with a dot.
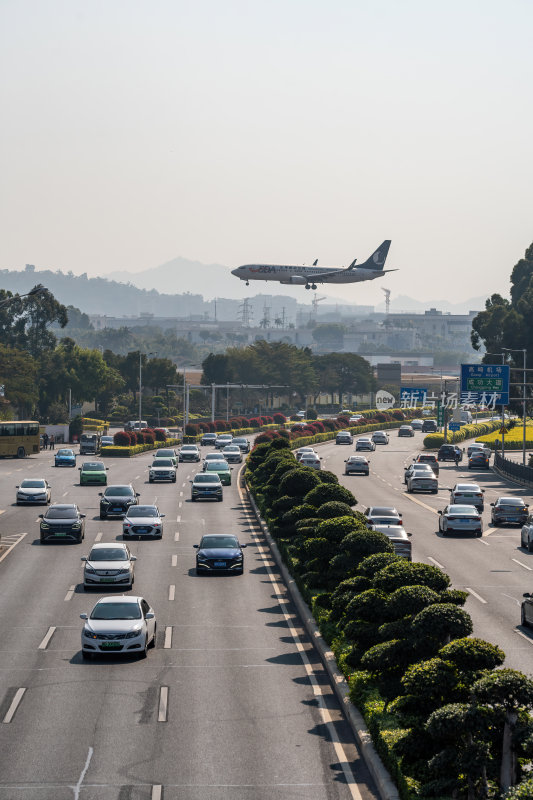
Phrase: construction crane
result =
(387, 299)
(316, 300)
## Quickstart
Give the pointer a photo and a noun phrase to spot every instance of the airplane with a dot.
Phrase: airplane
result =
(310, 276)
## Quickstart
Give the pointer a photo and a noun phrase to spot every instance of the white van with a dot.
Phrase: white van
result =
(135, 425)
(466, 417)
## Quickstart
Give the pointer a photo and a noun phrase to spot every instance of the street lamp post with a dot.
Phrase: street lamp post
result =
(141, 386)
(524, 402)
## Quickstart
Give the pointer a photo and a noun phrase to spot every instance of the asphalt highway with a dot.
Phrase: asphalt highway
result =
(494, 568)
(233, 703)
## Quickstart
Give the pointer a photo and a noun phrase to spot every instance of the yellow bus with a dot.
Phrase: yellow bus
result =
(19, 439)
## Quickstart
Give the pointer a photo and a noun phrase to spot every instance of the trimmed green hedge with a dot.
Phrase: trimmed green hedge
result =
(127, 452)
(434, 440)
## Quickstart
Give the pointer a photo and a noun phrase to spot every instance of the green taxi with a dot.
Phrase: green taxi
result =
(222, 468)
(93, 473)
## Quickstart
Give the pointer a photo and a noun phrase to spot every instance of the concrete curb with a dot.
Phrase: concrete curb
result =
(385, 785)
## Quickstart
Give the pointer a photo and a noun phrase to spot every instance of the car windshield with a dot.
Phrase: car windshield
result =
(118, 491)
(162, 462)
(239, 441)
(189, 448)
(219, 541)
(143, 511)
(383, 511)
(206, 479)
(116, 610)
(33, 484)
(510, 501)
(357, 460)
(216, 466)
(61, 512)
(108, 554)
(467, 487)
(232, 448)
(93, 467)
(165, 454)
(426, 459)
(65, 453)
(363, 441)
(213, 457)
(464, 510)
(385, 520)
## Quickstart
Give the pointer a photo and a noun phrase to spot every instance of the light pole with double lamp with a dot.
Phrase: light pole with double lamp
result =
(524, 399)
(141, 384)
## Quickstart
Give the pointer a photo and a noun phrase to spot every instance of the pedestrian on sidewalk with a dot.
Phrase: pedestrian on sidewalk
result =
(52, 441)
(45, 441)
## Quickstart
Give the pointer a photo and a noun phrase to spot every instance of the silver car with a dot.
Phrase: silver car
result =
(304, 451)
(422, 482)
(468, 494)
(222, 440)
(365, 443)
(35, 491)
(232, 454)
(311, 460)
(162, 469)
(143, 521)
(456, 517)
(189, 452)
(109, 564)
(206, 486)
(380, 437)
(399, 537)
(358, 465)
(212, 457)
(526, 534)
(124, 624)
(419, 469)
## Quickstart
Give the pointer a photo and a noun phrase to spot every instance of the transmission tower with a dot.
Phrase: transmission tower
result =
(265, 322)
(316, 300)
(246, 312)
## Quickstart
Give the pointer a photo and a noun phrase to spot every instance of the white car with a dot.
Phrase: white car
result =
(143, 521)
(189, 452)
(34, 491)
(124, 624)
(107, 441)
(420, 469)
(526, 535)
(232, 454)
(357, 465)
(365, 443)
(355, 419)
(399, 538)
(167, 452)
(212, 457)
(310, 460)
(416, 424)
(478, 447)
(456, 517)
(223, 440)
(304, 451)
(162, 469)
(467, 494)
(380, 437)
(109, 564)
(383, 515)
(300, 414)
(422, 482)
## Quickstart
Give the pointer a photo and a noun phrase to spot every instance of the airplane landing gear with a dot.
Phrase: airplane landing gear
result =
(307, 286)
(313, 286)
(247, 283)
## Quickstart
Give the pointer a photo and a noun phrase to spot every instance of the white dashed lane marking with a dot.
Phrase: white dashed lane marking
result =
(177, 536)
(70, 593)
(171, 592)
(168, 638)
(163, 704)
(19, 694)
(45, 642)
(476, 595)
(516, 561)
(434, 561)
(174, 561)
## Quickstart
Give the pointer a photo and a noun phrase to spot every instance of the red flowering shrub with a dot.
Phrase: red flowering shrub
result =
(122, 438)
(295, 418)
(397, 414)
(191, 429)
(220, 425)
(279, 419)
(160, 435)
(329, 424)
(255, 422)
(266, 436)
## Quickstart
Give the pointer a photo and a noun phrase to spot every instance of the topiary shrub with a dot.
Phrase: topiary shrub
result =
(123, 439)
(279, 419)
(191, 429)
(333, 509)
(298, 482)
(160, 435)
(325, 476)
(311, 413)
(328, 492)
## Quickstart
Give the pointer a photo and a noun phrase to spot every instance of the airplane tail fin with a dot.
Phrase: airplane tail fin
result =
(378, 258)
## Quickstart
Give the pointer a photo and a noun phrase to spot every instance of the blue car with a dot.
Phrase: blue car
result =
(65, 458)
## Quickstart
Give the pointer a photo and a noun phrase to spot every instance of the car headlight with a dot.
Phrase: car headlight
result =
(76, 525)
(89, 634)
(88, 568)
(123, 570)
(133, 633)
(44, 526)
(105, 501)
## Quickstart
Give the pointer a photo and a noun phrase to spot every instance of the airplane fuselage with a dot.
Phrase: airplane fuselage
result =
(304, 275)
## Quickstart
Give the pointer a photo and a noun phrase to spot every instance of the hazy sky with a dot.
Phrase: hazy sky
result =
(281, 131)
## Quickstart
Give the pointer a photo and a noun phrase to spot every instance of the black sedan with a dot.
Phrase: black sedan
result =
(219, 552)
(62, 522)
(116, 500)
(509, 511)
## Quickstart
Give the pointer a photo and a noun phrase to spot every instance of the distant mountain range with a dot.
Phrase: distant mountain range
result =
(181, 287)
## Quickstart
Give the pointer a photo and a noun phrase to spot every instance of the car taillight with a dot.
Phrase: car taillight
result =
(478, 495)
(450, 519)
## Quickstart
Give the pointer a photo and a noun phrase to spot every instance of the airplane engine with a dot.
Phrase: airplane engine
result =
(297, 280)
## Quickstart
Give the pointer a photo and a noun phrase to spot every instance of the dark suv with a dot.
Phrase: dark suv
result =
(62, 521)
(429, 426)
(116, 500)
(449, 452)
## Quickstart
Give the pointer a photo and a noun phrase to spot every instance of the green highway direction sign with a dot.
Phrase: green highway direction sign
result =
(485, 384)
(441, 411)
